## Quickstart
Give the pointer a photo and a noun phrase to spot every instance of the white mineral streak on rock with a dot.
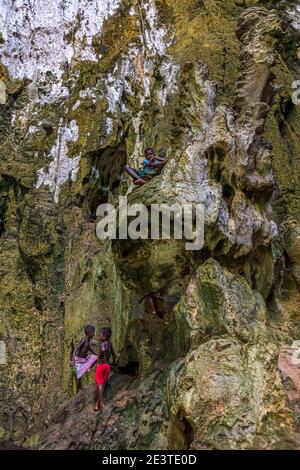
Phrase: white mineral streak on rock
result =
(35, 33)
(95, 173)
(295, 15)
(119, 83)
(109, 125)
(61, 167)
(41, 38)
(3, 94)
(132, 11)
(3, 358)
(137, 155)
(157, 42)
(32, 129)
(52, 92)
(76, 105)
(147, 72)
(138, 147)
(154, 34)
(138, 68)
(168, 71)
(114, 92)
(88, 93)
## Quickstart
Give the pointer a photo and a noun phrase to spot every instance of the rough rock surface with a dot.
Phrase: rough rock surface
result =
(85, 88)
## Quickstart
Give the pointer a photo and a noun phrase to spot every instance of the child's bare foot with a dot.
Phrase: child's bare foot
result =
(139, 182)
(97, 408)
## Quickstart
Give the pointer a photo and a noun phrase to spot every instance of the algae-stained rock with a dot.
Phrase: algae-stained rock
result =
(230, 396)
(133, 418)
(87, 87)
(224, 393)
(217, 302)
(289, 367)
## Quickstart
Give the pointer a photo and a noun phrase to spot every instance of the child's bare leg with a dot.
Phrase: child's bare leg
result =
(152, 304)
(137, 179)
(99, 402)
(78, 385)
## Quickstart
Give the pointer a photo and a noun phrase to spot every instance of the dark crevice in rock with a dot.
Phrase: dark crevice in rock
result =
(273, 305)
(269, 91)
(3, 207)
(228, 194)
(216, 156)
(188, 431)
(2, 218)
(287, 118)
(106, 168)
(128, 362)
(99, 196)
(182, 432)
(132, 369)
(38, 302)
(31, 267)
(11, 192)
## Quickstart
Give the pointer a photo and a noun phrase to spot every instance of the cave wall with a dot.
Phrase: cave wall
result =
(88, 86)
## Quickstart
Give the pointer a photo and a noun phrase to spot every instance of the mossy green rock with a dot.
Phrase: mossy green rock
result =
(208, 84)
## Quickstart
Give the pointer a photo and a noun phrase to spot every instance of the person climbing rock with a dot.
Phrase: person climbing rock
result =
(81, 359)
(103, 366)
(153, 297)
(151, 167)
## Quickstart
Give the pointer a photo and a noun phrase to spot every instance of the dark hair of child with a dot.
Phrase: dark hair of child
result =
(106, 332)
(89, 329)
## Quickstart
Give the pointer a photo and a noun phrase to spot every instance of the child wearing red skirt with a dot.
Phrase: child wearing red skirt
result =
(103, 366)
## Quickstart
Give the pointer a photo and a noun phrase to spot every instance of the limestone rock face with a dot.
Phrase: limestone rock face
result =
(231, 396)
(217, 302)
(85, 87)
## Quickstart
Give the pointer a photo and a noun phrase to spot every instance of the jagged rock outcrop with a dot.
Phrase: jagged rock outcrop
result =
(225, 393)
(85, 89)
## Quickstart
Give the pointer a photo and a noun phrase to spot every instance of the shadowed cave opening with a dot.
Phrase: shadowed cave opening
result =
(128, 363)
(132, 369)
(106, 169)
(188, 432)
(228, 194)
(182, 432)
(100, 196)
(269, 90)
(216, 156)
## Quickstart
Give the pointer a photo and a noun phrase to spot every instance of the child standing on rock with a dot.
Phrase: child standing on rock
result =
(103, 365)
(81, 357)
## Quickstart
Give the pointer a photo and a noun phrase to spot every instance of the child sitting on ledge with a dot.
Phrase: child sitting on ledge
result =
(151, 167)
